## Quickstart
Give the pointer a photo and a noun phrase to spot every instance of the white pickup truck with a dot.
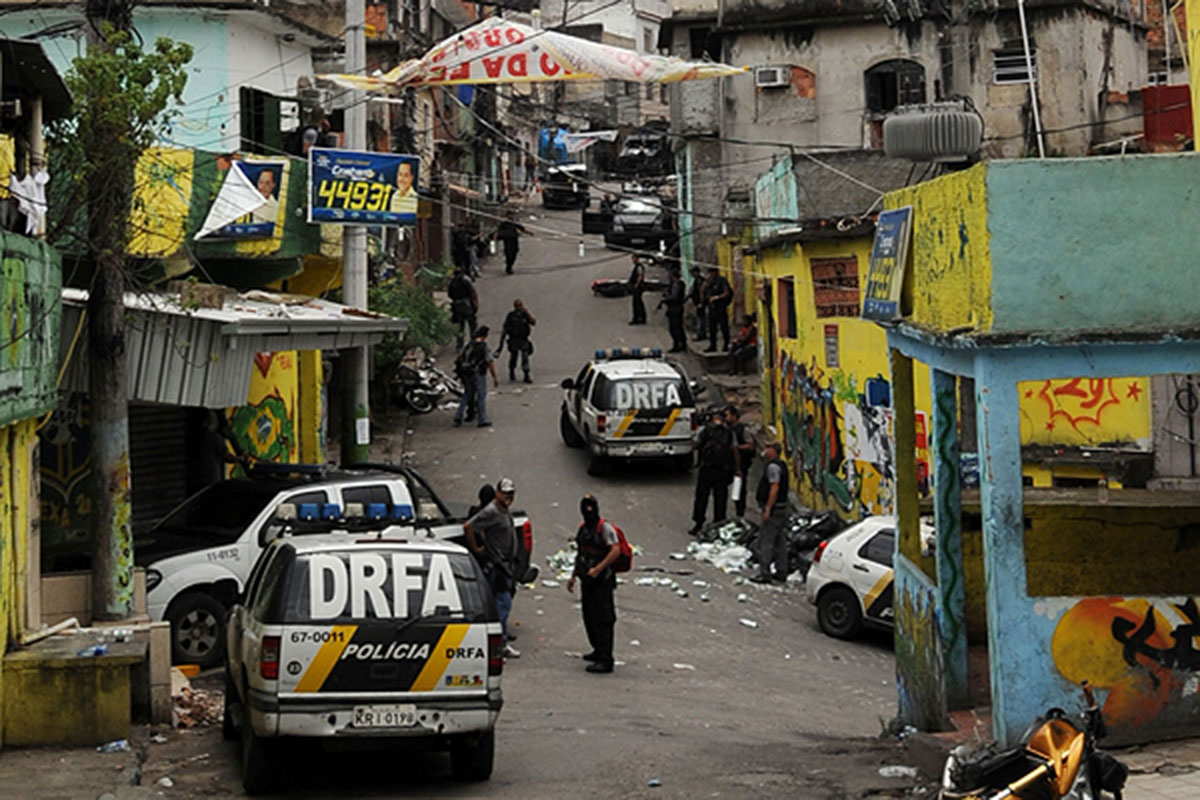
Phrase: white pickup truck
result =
(199, 556)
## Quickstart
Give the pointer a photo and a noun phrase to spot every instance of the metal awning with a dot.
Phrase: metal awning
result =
(28, 72)
(204, 356)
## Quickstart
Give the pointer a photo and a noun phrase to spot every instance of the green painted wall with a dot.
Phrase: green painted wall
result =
(1094, 244)
(30, 316)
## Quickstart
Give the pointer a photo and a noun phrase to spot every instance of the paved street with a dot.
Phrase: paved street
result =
(699, 701)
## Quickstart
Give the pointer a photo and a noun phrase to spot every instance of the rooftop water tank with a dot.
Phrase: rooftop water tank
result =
(938, 132)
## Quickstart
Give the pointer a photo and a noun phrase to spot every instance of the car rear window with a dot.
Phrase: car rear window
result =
(627, 394)
(363, 585)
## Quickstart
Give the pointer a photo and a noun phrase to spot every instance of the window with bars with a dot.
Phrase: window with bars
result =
(1008, 63)
(787, 308)
(835, 286)
(898, 82)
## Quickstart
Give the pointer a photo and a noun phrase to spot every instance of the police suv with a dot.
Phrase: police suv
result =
(630, 403)
(199, 556)
(361, 638)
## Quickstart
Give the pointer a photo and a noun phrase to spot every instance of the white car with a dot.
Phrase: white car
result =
(360, 639)
(851, 581)
(630, 403)
(199, 556)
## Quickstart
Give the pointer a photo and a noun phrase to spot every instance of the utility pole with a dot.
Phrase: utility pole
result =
(356, 412)
(112, 486)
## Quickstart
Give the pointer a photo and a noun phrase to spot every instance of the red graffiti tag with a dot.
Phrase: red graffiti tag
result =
(1076, 403)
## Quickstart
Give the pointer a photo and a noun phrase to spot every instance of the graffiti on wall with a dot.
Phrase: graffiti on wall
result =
(920, 667)
(265, 427)
(1085, 410)
(66, 463)
(839, 440)
(1140, 651)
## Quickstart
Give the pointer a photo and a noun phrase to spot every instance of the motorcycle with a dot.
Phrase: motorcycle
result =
(1057, 760)
(805, 533)
(422, 386)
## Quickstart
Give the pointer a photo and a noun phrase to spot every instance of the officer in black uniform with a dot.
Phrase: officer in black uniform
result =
(674, 299)
(718, 462)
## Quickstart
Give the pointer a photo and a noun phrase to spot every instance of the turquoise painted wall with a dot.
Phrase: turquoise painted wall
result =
(1094, 244)
(207, 101)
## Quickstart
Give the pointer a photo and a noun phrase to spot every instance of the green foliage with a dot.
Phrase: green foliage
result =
(428, 323)
(121, 96)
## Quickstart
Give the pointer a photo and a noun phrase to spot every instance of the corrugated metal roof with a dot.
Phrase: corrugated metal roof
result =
(204, 356)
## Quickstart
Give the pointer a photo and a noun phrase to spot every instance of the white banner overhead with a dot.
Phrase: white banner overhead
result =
(498, 50)
(581, 141)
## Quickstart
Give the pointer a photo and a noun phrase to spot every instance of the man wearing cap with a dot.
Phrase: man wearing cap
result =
(596, 548)
(772, 497)
(492, 537)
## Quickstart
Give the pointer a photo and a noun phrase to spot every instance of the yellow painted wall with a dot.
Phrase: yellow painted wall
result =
(949, 266)
(838, 444)
(161, 197)
(16, 475)
(1086, 412)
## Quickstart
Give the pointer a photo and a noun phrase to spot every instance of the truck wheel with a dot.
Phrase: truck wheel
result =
(471, 758)
(258, 775)
(570, 436)
(228, 727)
(598, 466)
(197, 629)
(839, 614)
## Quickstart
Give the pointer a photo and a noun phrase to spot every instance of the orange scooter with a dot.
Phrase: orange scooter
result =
(1057, 760)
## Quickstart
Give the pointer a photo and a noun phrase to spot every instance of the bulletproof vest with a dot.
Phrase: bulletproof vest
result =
(764, 486)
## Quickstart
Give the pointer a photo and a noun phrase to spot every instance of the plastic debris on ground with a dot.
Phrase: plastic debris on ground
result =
(646, 581)
(678, 556)
(159, 738)
(165, 782)
(116, 746)
(690, 667)
(653, 782)
(725, 544)
(92, 650)
(195, 707)
(704, 598)
(550, 584)
(563, 561)
(743, 598)
(897, 771)
(635, 643)
(749, 623)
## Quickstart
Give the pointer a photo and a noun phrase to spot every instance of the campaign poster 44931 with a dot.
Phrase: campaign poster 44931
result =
(358, 188)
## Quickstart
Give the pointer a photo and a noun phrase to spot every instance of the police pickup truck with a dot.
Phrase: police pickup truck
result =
(199, 556)
(630, 403)
(374, 639)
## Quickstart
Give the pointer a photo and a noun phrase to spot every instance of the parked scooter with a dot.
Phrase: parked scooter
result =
(421, 387)
(1056, 760)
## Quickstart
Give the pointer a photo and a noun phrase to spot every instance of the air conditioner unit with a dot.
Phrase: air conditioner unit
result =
(772, 77)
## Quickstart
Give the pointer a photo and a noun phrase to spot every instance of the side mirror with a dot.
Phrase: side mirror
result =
(568, 383)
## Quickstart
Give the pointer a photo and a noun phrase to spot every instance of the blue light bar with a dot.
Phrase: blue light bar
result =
(656, 352)
(331, 511)
(402, 513)
(308, 511)
(376, 510)
(601, 354)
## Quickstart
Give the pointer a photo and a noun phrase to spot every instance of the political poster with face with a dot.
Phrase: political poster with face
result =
(267, 177)
(358, 188)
